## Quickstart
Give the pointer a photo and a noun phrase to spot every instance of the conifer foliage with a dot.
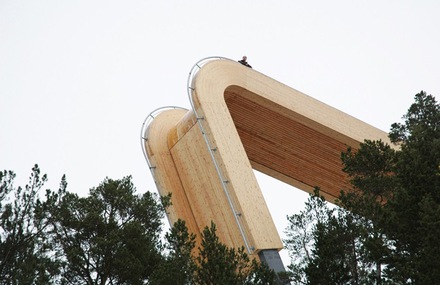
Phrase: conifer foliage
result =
(385, 229)
(26, 254)
(111, 236)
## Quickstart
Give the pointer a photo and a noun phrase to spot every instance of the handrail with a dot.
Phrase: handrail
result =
(144, 137)
(223, 180)
(196, 67)
(144, 133)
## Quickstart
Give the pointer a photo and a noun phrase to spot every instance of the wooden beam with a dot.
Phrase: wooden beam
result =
(243, 120)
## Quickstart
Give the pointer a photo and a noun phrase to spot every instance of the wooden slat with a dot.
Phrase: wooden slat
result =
(287, 146)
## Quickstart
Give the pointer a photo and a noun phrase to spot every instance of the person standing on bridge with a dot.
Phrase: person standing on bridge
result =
(244, 61)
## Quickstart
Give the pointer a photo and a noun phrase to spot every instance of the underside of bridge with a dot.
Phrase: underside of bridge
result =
(284, 147)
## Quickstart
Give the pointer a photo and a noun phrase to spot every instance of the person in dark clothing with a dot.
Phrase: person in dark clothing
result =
(244, 62)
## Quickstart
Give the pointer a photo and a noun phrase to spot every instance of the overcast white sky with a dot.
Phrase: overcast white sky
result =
(77, 78)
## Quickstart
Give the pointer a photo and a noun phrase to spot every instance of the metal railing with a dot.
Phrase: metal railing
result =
(144, 134)
(212, 149)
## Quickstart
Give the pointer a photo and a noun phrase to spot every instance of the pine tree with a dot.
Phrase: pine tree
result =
(391, 214)
(111, 236)
(26, 254)
(178, 265)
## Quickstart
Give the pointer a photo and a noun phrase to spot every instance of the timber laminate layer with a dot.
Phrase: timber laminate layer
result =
(251, 122)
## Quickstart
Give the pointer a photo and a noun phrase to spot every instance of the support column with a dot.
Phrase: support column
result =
(272, 258)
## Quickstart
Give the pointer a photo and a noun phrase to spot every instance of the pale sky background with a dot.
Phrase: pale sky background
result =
(77, 78)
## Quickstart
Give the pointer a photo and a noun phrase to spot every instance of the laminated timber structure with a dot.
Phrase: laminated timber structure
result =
(243, 120)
